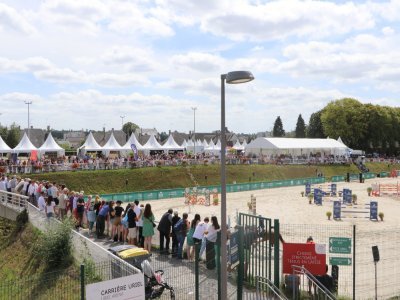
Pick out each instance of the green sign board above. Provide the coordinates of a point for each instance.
(340, 245)
(340, 261)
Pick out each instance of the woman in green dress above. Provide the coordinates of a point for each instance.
(189, 237)
(148, 227)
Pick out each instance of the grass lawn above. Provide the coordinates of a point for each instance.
(114, 181)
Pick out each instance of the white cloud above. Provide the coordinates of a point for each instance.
(11, 19)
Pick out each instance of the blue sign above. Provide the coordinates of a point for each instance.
(373, 210)
(318, 196)
(308, 188)
(347, 196)
(337, 209)
(135, 151)
(333, 189)
(234, 249)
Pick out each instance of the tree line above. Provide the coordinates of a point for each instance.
(368, 127)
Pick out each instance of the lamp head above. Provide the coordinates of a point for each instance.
(237, 77)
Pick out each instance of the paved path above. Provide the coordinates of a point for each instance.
(181, 274)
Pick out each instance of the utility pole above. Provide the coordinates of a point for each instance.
(29, 125)
(122, 121)
(194, 130)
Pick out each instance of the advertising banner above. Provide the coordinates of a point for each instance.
(310, 256)
(129, 287)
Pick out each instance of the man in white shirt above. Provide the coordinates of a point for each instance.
(198, 235)
(41, 202)
(139, 223)
(3, 184)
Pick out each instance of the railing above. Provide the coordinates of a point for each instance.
(119, 164)
(314, 285)
(265, 289)
(12, 200)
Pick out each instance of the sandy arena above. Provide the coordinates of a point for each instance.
(287, 205)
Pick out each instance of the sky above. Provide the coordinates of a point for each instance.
(86, 64)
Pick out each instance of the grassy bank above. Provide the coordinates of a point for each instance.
(114, 181)
(23, 274)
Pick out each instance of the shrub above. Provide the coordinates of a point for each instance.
(55, 246)
(22, 219)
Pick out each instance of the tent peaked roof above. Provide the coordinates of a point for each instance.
(152, 144)
(4, 148)
(170, 144)
(24, 145)
(50, 145)
(238, 146)
(184, 144)
(91, 144)
(340, 140)
(132, 141)
(205, 144)
(189, 143)
(112, 144)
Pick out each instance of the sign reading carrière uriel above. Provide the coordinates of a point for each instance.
(340, 245)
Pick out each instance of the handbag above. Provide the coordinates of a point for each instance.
(124, 220)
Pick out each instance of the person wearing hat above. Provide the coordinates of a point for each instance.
(310, 240)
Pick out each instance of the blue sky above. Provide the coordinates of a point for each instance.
(84, 64)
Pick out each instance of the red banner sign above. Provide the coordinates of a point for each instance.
(310, 256)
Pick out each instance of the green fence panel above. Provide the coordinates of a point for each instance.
(369, 175)
(231, 188)
(384, 174)
(338, 178)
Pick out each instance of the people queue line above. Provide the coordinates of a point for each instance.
(135, 224)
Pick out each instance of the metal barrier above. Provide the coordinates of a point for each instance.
(265, 289)
(230, 188)
(313, 286)
(12, 200)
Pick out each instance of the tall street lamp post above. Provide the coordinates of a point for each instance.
(194, 130)
(122, 125)
(29, 125)
(234, 77)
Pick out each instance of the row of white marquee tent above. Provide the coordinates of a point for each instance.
(50, 145)
(259, 146)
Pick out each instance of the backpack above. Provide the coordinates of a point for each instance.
(178, 227)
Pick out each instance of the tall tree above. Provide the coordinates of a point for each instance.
(346, 118)
(13, 135)
(278, 128)
(163, 136)
(129, 127)
(300, 131)
(315, 129)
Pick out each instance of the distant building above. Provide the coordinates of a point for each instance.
(36, 135)
(74, 138)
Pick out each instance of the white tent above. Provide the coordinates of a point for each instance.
(132, 141)
(90, 144)
(189, 143)
(50, 145)
(170, 144)
(184, 144)
(152, 144)
(238, 146)
(205, 144)
(4, 148)
(244, 144)
(112, 144)
(295, 146)
(24, 145)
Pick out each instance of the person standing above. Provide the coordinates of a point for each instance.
(62, 203)
(189, 237)
(148, 227)
(132, 228)
(181, 229)
(117, 221)
(211, 240)
(199, 236)
(41, 202)
(49, 208)
(101, 220)
(175, 242)
(80, 210)
(139, 223)
(164, 227)
(91, 213)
